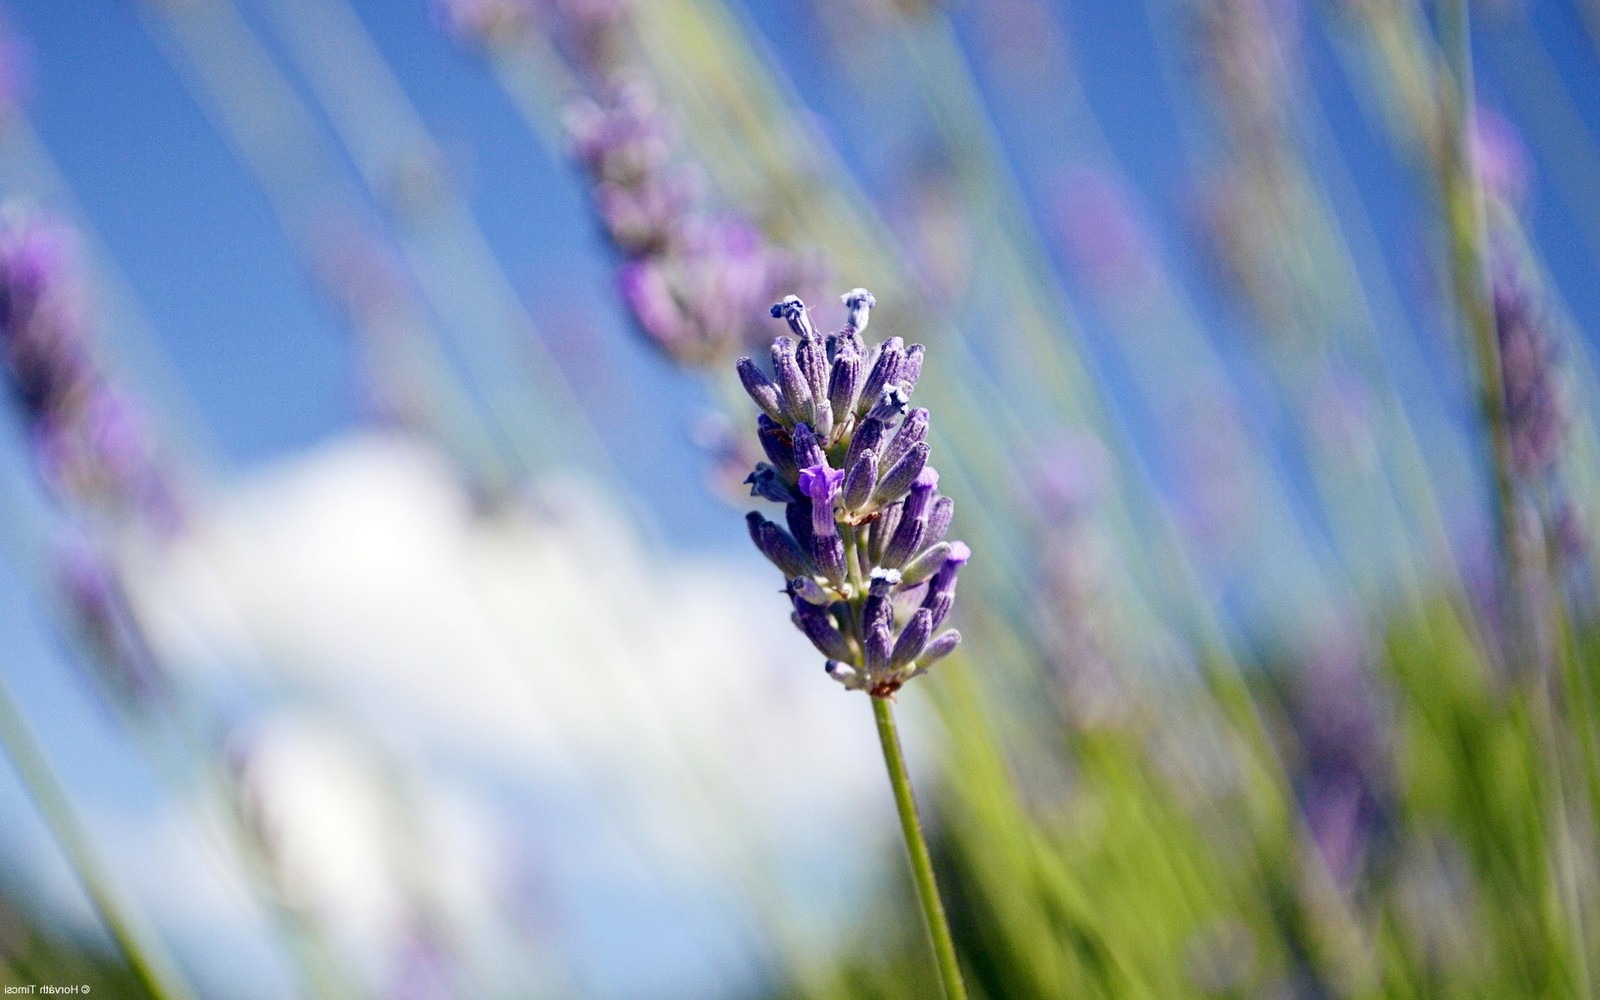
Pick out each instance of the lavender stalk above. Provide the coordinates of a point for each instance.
(869, 574)
(145, 954)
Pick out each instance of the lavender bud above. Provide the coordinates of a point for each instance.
(913, 430)
(762, 389)
(859, 481)
(812, 357)
(868, 437)
(912, 639)
(768, 484)
(891, 403)
(884, 528)
(877, 609)
(849, 338)
(911, 367)
(885, 366)
(859, 302)
(775, 441)
(798, 516)
(924, 565)
(824, 423)
(778, 546)
(878, 647)
(904, 541)
(939, 520)
(796, 392)
(828, 552)
(807, 450)
(898, 479)
(817, 623)
(942, 646)
(942, 588)
(845, 674)
(845, 380)
(913, 520)
(810, 591)
(794, 312)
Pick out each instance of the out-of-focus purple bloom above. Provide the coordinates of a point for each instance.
(483, 21)
(1248, 50)
(1072, 476)
(691, 279)
(1500, 155)
(92, 446)
(1535, 401)
(1076, 619)
(864, 560)
(1340, 775)
(1104, 235)
(93, 593)
(91, 442)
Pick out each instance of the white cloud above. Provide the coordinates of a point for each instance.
(675, 733)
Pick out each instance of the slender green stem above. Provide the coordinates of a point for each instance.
(944, 946)
(145, 956)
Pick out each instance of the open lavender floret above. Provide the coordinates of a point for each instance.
(868, 569)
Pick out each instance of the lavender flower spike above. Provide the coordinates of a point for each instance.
(866, 521)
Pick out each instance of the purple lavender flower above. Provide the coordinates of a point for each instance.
(691, 279)
(482, 20)
(1338, 716)
(868, 571)
(91, 442)
(93, 592)
(1536, 412)
(1501, 157)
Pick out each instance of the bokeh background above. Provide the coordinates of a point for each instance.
(439, 663)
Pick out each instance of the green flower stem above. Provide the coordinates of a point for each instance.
(944, 946)
(146, 958)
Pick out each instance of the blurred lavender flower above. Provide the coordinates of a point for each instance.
(93, 592)
(1342, 778)
(483, 21)
(1535, 400)
(869, 573)
(1106, 239)
(690, 278)
(1500, 155)
(92, 444)
(1249, 51)
(1075, 616)
(90, 441)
